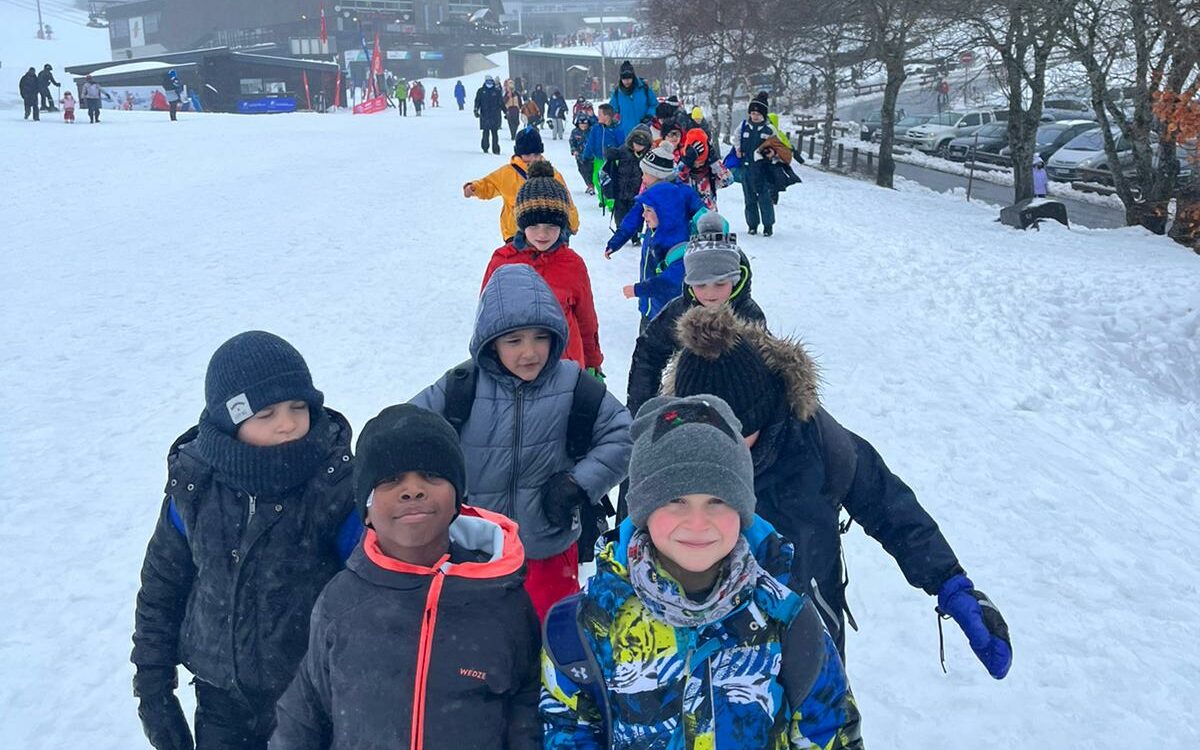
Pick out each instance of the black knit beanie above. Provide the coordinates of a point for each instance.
(739, 377)
(405, 438)
(252, 371)
(542, 199)
(528, 141)
(758, 106)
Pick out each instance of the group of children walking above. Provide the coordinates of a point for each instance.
(424, 589)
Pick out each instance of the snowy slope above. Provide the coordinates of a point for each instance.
(74, 42)
(1038, 390)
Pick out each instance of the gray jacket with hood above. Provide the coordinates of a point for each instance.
(516, 436)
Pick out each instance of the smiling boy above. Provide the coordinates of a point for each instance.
(429, 624)
(696, 640)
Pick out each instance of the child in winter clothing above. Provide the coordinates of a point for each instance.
(68, 106)
(258, 516)
(697, 641)
(605, 134)
(556, 112)
(808, 468)
(541, 242)
(515, 436)
(696, 166)
(578, 144)
(433, 98)
(667, 208)
(1041, 182)
(627, 161)
(716, 272)
(426, 557)
(507, 180)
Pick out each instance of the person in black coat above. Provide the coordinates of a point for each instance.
(174, 91)
(258, 516)
(489, 106)
(628, 163)
(428, 638)
(45, 81)
(716, 272)
(807, 468)
(539, 96)
(29, 89)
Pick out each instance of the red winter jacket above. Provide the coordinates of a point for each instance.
(566, 275)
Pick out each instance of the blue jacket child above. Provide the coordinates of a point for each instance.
(676, 207)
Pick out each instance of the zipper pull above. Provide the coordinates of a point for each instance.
(253, 508)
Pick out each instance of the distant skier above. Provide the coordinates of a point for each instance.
(417, 93)
(557, 114)
(68, 106)
(173, 90)
(29, 89)
(460, 95)
(45, 81)
(402, 97)
(489, 106)
(433, 98)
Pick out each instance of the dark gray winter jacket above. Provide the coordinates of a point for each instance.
(230, 578)
(515, 438)
(439, 658)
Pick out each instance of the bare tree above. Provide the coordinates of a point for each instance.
(1022, 35)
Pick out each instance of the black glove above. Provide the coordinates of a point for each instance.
(158, 708)
(561, 497)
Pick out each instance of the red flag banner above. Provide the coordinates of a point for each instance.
(377, 58)
(371, 106)
(307, 98)
(324, 31)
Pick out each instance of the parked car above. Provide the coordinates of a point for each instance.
(871, 129)
(1083, 153)
(1051, 137)
(935, 138)
(988, 139)
(1073, 105)
(944, 119)
(908, 122)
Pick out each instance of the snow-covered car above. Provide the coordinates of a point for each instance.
(935, 138)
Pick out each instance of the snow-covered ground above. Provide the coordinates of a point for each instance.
(73, 42)
(1038, 390)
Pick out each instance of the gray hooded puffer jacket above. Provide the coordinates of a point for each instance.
(516, 437)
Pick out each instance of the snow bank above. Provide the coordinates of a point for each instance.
(74, 42)
(1038, 390)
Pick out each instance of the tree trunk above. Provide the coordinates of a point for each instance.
(887, 125)
(1022, 142)
(830, 74)
(1186, 229)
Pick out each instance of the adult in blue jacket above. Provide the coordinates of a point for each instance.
(460, 95)
(633, 101)
(675, 206)
(808, 468)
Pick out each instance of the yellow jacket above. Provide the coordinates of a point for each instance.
(505, 182)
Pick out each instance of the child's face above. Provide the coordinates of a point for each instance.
(411, 515)
(636, 147)
(524, 352)
(649, 180)
(714, 293)
(694, 533)
(604, 118)
(542, 236)
(673, 137)
(275, 424)
(756, 117)
(650, 217)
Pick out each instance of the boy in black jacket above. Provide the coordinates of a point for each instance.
(258, 516)
(427, 640)
(628, 172)
(716, 272)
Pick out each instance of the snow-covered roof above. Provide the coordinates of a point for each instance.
(605, 20)
(637, 47)
(144, 66)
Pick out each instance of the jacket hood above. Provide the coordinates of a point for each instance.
(773, 552)
(516, 297)
(476, 530)
(711, 332)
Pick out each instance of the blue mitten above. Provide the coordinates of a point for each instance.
(980, 620)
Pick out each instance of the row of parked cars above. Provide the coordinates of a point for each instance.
(1069, 141)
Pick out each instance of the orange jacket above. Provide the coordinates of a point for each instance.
(505, 182)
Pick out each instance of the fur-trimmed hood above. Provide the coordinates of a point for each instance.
(710, 332)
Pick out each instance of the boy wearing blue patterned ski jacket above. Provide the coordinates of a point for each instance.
(695, 639)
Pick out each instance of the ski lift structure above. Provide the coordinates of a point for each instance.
(98, 12)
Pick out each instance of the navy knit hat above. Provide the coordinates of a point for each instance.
(542, 199)
(251, 371)
(529, 141)
(757, 105)
(405, 438)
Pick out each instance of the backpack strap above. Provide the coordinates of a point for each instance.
(585, 408)
(519, 171)
(673, 256)
(460, 393)
(570, 653)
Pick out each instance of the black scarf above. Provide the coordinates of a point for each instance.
(271, 471)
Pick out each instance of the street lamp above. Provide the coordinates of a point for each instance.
(41, 26)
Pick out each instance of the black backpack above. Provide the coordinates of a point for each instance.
(585, 407)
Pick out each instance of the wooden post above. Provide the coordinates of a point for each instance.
(854, 159)
(870, 167)
(841, 153)
(812, 145)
